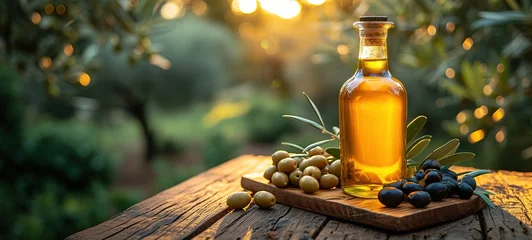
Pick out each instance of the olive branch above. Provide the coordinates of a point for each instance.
(446, 154)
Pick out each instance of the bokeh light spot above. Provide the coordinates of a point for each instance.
(60, 10)
(49, 8)
(500, 67)
(68, 49)
(199, 8)
(480, 112)
(487, 90)
(464, 129)
(467, 44)
(84, 79)
(35, 18)
(244, 6)
(342, 49)
(476, 136)
(171, 10)
(498, 115)
(449, 73)
(499, 137)
(431, 30)
(46, 62)
(449, 27)
(461, 117)
(500, 100)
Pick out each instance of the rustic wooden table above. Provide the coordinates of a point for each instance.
(196, 209)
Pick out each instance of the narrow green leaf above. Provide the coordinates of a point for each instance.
(319, 143)
(482, 190)
(453, 87)
(336, 130)
(485, 198)
(478, 172)
(457, 157)
(463, 173)
(417, 140)
(315, 109)
(298, 155)
(417, 149)
(444, 150)
(300, 148)
(308, 121)
(410, 161)
(335, 152)
(414, 127)
(408, 164)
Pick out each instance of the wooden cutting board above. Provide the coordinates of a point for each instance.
(335, 203)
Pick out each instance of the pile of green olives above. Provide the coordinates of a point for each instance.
(309, 173)
(430, 183)
(240, 200)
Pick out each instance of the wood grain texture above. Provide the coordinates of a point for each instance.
(280, 222)
(181, 211)
(196, 208)
(335, 203)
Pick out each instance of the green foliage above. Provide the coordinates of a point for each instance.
(262, 121)
(219, 147)
(169, 174)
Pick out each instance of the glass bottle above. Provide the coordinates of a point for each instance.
(372, 106)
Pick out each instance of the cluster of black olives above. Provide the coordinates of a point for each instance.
(309, 174)
(430, 183)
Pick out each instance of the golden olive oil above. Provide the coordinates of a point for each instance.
(372, 107)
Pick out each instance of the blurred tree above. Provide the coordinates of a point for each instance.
(103, 50)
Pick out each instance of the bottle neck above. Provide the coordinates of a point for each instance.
(373, 53)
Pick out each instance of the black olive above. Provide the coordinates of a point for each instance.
(390, 196)
(464, 190)
(437, 191)
(419, 175)
(411, 187)
(470, 180)
(431, 164)
(452, 186)
(419, 199)
(412, 179)
(432, 176)
(397, 184)
(450, 174)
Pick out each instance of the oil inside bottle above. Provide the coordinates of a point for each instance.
(372, 107)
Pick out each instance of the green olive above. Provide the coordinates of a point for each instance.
(264, 199)
(315, 151)
(298, 160)
(287, 165)
(309, 184)
(238, 200)
(328, 181)
(313, 172)
(295, 176)
(280, 179)
(278, 156)
(269, 172)
(335, 168)
(318, 161)
(304, 164)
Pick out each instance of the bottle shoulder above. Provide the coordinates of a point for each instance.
(358, 83)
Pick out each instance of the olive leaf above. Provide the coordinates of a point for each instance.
(479, 172)
(444, 150)
(457, 157)
(417, 149)
(300, 148)
(315, 109)
(484, 198)
(463, 173)
(408, 164)
(414, 127)
(336, 130)
(319, 143)
(418, 140)
(482, 190)
(308, 121)
(333, 151)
